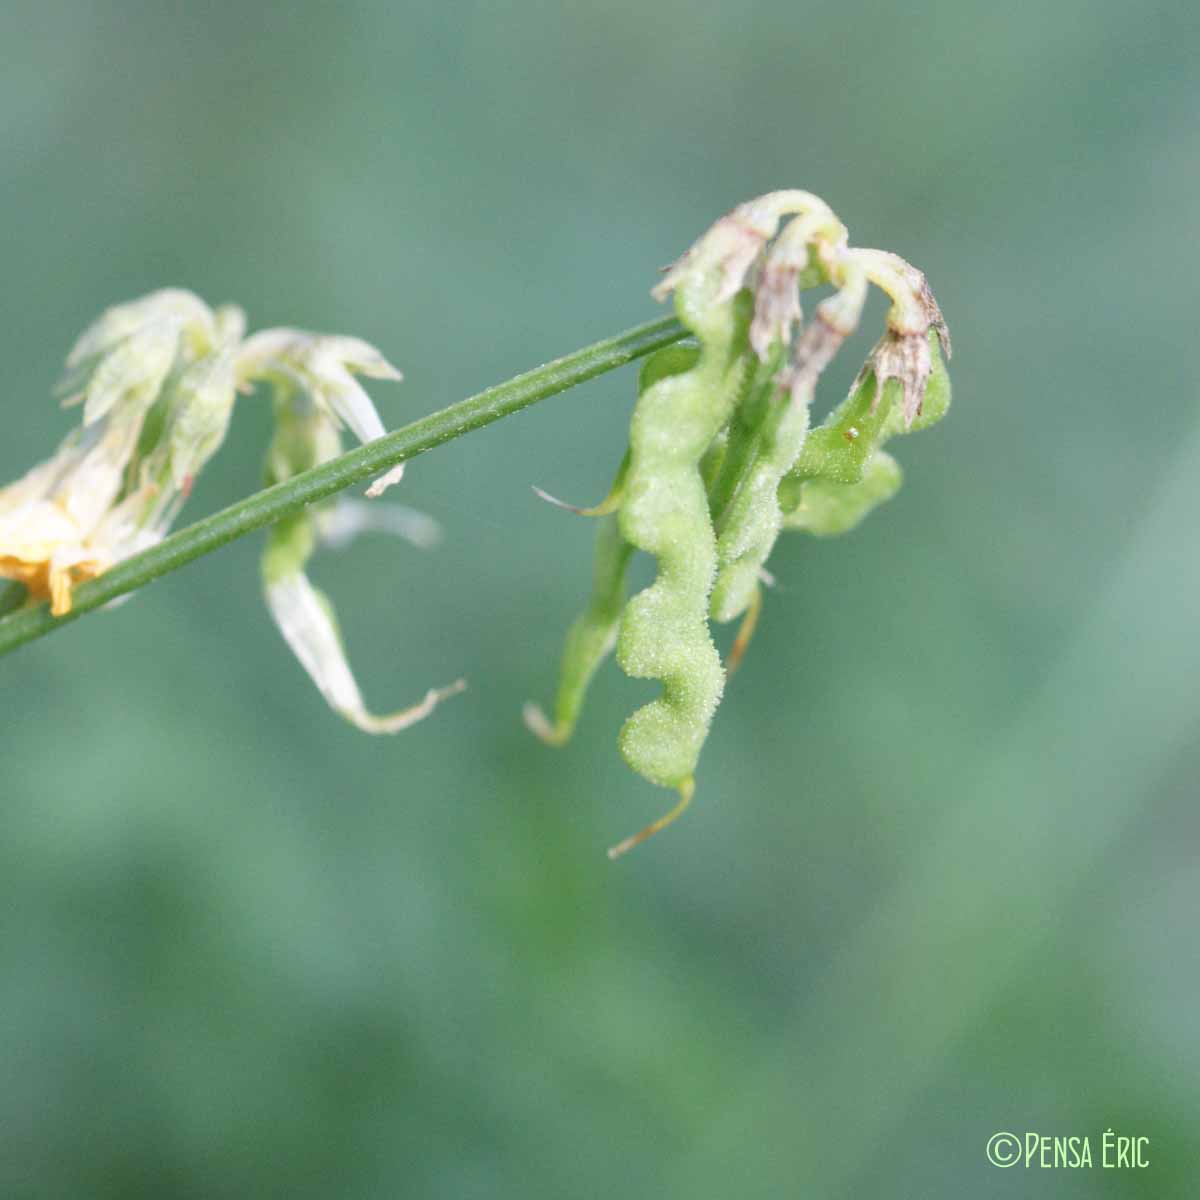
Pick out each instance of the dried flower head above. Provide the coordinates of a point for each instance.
(157, 379)
(155, 382)
(323, 369)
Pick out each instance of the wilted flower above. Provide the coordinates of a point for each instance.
(323, 369)
(306, 434)
(738, 252)
(157, 387)
(903, 352)
(157, 379)
(47, 519)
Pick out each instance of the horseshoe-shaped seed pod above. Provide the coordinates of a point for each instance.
(721, 459)
(664, 630)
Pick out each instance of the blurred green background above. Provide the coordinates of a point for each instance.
(941, 877)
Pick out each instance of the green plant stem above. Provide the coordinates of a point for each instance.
(361, 463)
(12, 596)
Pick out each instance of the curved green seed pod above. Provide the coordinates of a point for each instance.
(824, 507)
(664, 629)
(753, 519)
(842, 472)
(590, 638)
(594, 632)
(713, 462)
(741, 438)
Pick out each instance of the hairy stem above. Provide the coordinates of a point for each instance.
(364, 462)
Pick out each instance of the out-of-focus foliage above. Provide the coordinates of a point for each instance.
(946, 887)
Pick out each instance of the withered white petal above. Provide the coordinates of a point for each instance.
(324, 366)
(305, 620)
(131, 375)
(205, 399)
(179, 307)
(348, 401)
(908, 360)
(340, 523)
(381, 485)
(734, 244)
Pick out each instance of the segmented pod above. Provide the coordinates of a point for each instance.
(664, 630)
(754, 518)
